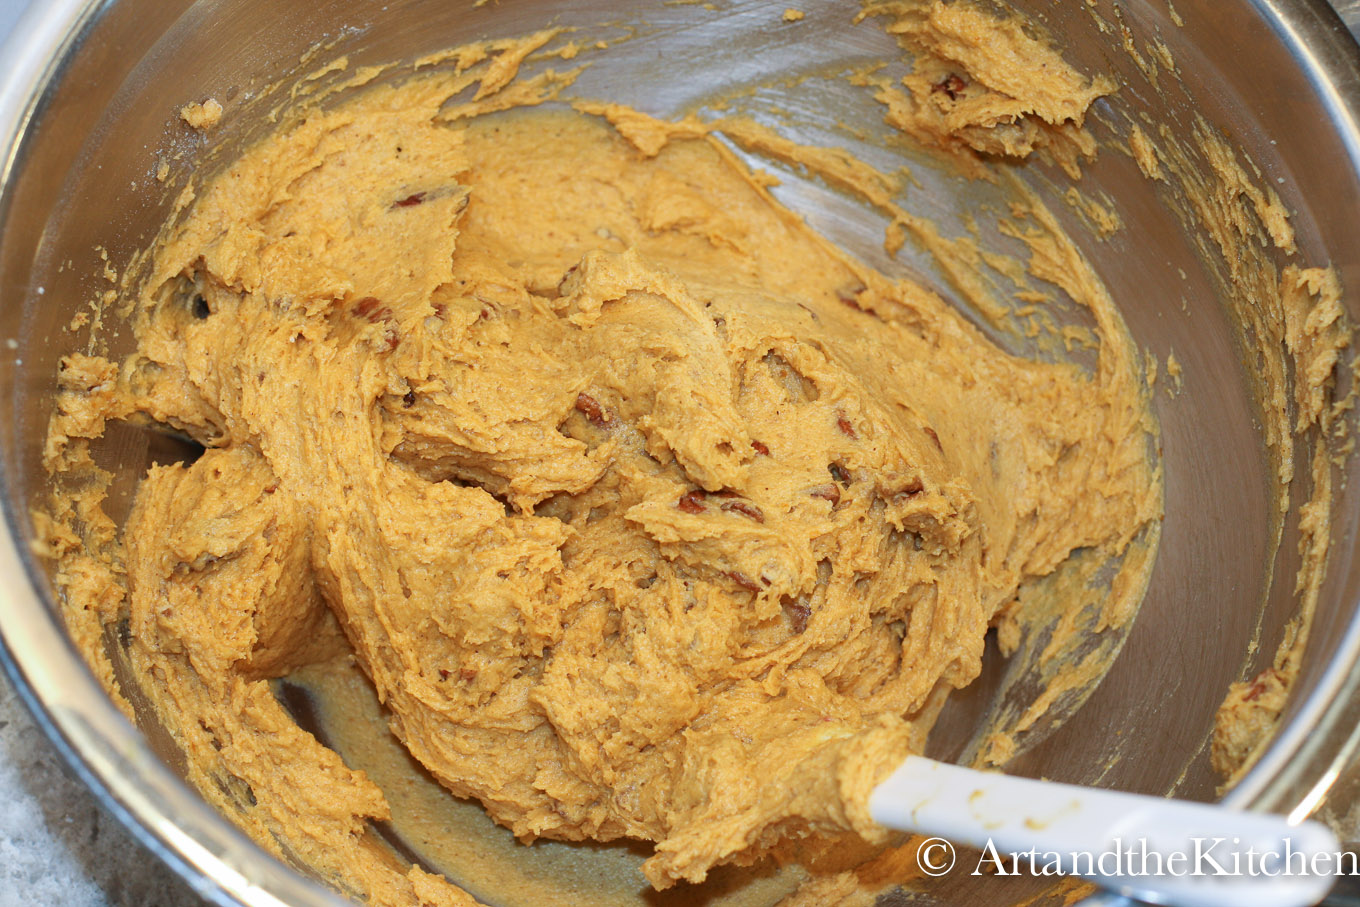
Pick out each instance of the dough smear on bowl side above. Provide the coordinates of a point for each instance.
(649, 512)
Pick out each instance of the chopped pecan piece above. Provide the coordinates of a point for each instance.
(839, 474)
(952, 85)
(1259, 684)
(760, 448)
(799, 612)
(692, 502)
(410, 200)
(745, 508)
(371, 308)
(846, 428)
(741, 579)
(589, 407)
(827, 492)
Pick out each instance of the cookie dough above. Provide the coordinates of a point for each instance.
(648, 512)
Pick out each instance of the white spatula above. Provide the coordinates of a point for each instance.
(1154, 849)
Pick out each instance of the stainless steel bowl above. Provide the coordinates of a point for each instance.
(90, 100)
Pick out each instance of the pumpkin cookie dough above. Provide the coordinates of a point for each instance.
(648, 512)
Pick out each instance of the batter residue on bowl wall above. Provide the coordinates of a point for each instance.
(648, 512)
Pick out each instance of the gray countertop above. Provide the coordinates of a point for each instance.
(57, 846)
